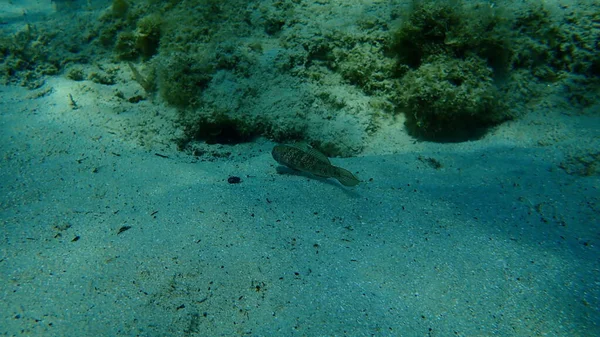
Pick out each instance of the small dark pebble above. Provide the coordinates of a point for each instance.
(234, 180)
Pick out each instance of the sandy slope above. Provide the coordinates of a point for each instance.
(498, 241)
(502, 239)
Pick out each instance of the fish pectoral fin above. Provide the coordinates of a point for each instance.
(321, 157)
(322, 175)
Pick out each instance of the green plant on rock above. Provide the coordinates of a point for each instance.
(143, 41)
(451, 56)
(148, 34)
(365, 66)
(449, 98)
(183, 77)
(125, 47)
(454, 28)
(424, 32)
(120, 8)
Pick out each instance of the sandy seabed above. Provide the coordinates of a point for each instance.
(108, 230)
(104, 237)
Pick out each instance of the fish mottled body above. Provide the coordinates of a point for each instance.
(306, 159)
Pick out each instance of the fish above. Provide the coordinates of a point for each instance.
(303, 158)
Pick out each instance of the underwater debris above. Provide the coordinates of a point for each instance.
(123, 229)
(72, 103)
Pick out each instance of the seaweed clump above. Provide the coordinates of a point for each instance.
(142, 42)
(503, 59)
(120, 8)
(451, 98)
(182, 78)
(450, 56)
(26, 57)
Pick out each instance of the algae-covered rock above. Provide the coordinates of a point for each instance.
(453, 56)
(454, 28)
(450, 99)
(26, 57)
(142, 41)
(182, 77)
(325, 72)
(125, 47)
(366, 66)
(120, 8)
(147, 34)
(75, 74)
(560, 41)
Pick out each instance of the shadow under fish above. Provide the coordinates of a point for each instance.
(303, 158)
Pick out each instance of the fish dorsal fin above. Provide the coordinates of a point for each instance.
(318, 155)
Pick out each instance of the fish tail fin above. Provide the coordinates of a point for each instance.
(345, 177)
